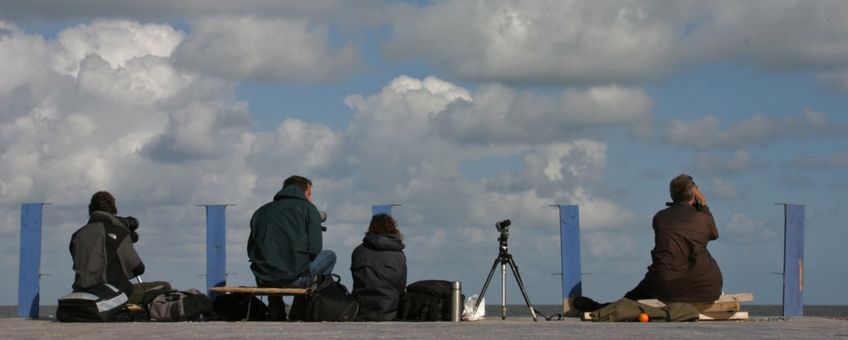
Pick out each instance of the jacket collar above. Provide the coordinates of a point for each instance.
(291, 191)
(383, 242)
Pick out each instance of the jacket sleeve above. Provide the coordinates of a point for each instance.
(313, 230)
(130, 261)
(713, 230)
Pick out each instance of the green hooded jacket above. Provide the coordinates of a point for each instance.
(285, 236)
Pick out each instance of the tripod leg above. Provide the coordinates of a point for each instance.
(521, 287)
(503, 290)
(485, 285)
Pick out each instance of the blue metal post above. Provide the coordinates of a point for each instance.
(30, 260)
(793, 260)
(572, 282)
(383, 209)
(216, 247)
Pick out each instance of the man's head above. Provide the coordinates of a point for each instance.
(302, 182)
(102, 201)
(681, 188)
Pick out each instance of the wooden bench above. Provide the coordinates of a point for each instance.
(725, 308)
(275, 309)
(261, 291)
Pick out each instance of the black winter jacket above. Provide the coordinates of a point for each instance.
(102, 251)
(285, 236)
(378, 267)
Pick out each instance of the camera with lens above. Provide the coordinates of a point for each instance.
(503, 226)
(132, 224)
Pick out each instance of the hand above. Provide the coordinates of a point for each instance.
(699, 196)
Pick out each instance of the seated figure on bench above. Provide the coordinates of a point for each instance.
(285, 243)
(682, 269)
(102, 250)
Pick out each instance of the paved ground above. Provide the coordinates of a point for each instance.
(518, 327)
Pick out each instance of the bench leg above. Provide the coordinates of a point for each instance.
(276, 308)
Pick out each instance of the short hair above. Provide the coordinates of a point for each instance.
(383, 224)
(681, 187)
(102, 201)
(300, 181)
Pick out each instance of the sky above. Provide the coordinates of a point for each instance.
(464, 112)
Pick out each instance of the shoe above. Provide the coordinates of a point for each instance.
(584, 304)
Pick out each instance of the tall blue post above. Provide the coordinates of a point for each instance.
(572, 281)
(30, 260)
(383, 209)
(216, 247)
(793, 260)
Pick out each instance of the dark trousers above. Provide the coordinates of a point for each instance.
(642, 291)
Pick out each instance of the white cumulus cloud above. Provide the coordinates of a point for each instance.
(264, 49)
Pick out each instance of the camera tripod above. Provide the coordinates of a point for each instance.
(504, 258)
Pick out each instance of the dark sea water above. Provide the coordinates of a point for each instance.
(493, 311)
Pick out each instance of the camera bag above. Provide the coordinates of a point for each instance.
(101, 303)
(327, 300)
(427, 300)
(177, 305)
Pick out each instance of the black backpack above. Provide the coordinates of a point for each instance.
(176, 305)
(327, 300)
(427, 300)
(101, 303)
(238, 306)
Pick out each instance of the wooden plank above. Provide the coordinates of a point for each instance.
(722, 316)
(713, 316)
(725, 298)
(260, 290)
(741, 297)
(731, 306)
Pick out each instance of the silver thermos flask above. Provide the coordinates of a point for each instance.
(456, 301)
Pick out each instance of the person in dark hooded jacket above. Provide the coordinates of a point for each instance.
(285, 242)
(378, 267)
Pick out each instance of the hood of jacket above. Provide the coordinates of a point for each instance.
(383, 242)
(291, 191)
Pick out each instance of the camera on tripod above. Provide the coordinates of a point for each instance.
(503, 226)
(504, 258)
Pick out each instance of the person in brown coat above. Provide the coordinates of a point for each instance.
(682, 269)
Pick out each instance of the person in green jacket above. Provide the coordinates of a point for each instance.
(285, 243)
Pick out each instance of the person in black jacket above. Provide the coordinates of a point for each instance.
(378, 267)
(102, 250)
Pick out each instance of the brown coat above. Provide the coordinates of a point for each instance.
(683, 269)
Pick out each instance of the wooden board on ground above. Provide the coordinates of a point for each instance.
(725, 303)
(725, 308)
(260, 290)
(712, 316)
